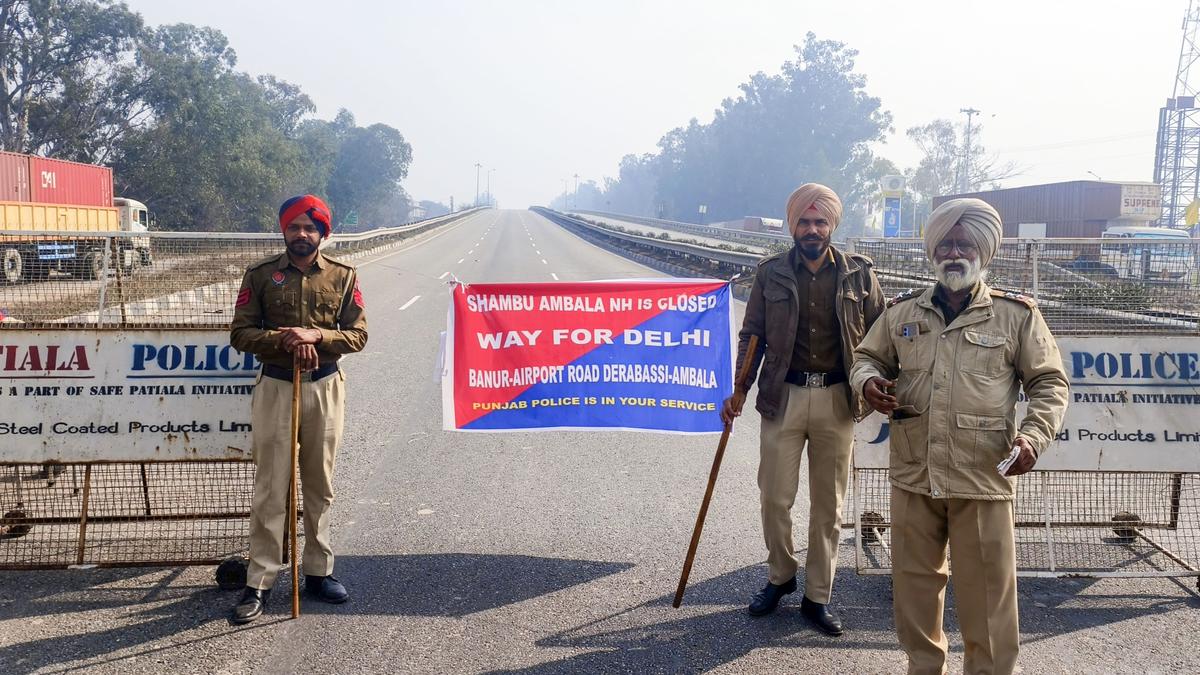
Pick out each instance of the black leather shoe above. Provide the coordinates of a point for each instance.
(251, 606)
(326, 589)
(819, 615)
(766, 600)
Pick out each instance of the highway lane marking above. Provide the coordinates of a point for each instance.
(460, 261)
(544, 262)
(444, 274)
(410, 302)
(450, 229)
(554, 275)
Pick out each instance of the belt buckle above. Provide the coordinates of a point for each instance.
(814, 380)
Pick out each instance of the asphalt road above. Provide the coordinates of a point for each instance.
(535, 553)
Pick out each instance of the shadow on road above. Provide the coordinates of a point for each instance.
(448, 585)
(650, 638)
(454, 584)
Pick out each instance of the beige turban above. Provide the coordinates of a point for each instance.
(817, 196)
(978, 218)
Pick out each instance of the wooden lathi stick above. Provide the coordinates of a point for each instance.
(743, 373)
(295, 456)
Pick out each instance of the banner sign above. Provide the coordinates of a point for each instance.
(1134, 406)
(644, 355)
(130, 395)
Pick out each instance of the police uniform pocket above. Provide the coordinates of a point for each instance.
(279, 307)
(982, 353)
(982, 439)
(915, 344)
(906, 440)
(778, 304)
(326, 308)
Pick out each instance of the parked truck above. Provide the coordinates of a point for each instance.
(40, 194)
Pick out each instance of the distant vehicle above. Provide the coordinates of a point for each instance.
(1164, 256)
(41, 194)
(752, 224)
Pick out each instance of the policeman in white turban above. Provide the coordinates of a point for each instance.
(809, 307)
(946, 365)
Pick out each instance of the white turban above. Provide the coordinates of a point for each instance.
(817, 196)
(978, 218)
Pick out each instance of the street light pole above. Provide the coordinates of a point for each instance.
(576, 199)
(478, 166)
(965, 177)
(489, 185)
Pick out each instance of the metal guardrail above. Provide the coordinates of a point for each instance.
(759, 238)
(150, 279)
(1083, 286)
(735, 259)
(111, 512)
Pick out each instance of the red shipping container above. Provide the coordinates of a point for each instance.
(14, 177)
(54, 181)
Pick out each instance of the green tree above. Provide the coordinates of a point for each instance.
(366, 174)
(212, 158)
(65, 76)
(813, 122)
(944, 158)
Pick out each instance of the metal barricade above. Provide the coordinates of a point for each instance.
(1133, 520)
(94, 503)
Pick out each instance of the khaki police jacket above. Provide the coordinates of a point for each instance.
(960, 382)
(275, 294)
(773, 314)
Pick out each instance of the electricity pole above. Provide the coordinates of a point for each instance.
(964, 177)
(478, 166)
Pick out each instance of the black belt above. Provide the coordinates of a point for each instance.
(803, 379)
(285, 374)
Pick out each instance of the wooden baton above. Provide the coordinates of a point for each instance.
(743, 373)
(295, 457)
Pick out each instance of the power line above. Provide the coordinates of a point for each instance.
(1081, 141)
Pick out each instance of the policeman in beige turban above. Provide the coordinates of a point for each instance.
(957, 355)
(809, 307)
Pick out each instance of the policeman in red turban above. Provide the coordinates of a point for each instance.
(299, 309)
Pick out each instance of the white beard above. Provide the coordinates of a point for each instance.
(957, 281)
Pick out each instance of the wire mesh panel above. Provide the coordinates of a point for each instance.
(1083, 286)
(123, 513)
(57, 515)
(160, 279)
(1109, 523)
(1070, 523)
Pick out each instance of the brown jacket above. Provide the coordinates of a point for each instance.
(274, 294)
(773, 314)
(961, 382)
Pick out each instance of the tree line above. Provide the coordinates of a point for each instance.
(205, 146)
(812, 122)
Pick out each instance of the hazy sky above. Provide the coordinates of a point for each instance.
(540, 91)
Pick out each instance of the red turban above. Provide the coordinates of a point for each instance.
(311, 206)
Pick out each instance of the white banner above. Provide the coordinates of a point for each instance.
(87, 395)
(1134, 406)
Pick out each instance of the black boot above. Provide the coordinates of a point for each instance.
(819, 615)
(766, 600)
(251, 606)
(327, 589)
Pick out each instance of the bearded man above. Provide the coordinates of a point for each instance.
(809, 307)
(957, 356)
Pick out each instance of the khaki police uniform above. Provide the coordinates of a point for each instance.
(808, 324)
(957, 387)
(275, 294)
